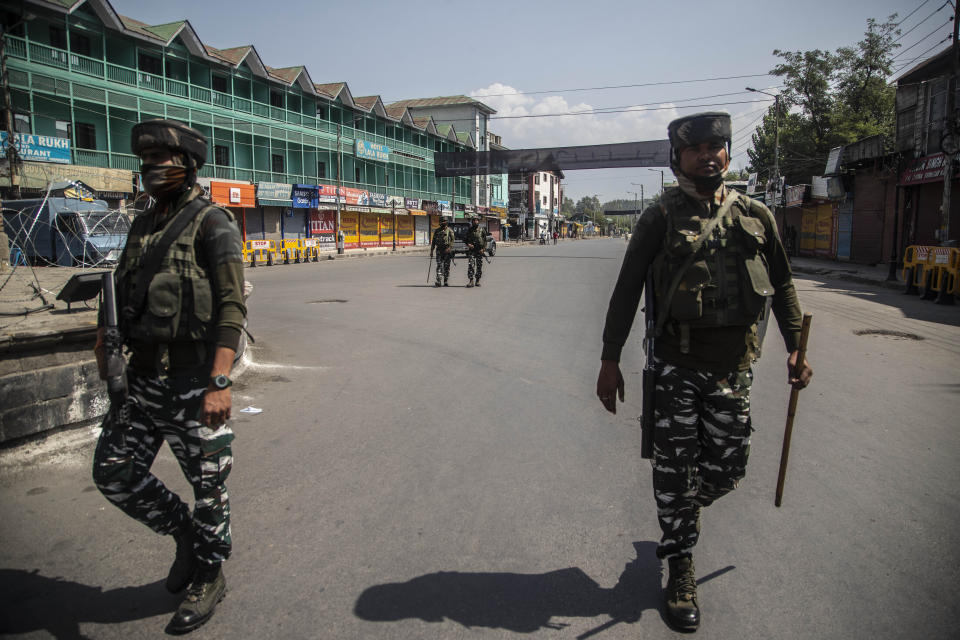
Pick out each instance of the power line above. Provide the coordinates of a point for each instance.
(592, 112)
(907, 64)
(619, 86)
(913, 12)
(904, 35)
(920, 40)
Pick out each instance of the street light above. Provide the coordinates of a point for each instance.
(660, 171)
(776, 132)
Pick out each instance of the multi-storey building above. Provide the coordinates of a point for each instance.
(280, 145)
(535, 200)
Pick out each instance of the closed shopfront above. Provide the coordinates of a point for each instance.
(273, 202)
(369, 230)
(349, 224)
(238, 197)
(405, 231)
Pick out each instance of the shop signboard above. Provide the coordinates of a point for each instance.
(795, 194)
(322, 227)
(38, 148)
(37, 175)
(430, 206)
(395, 202)
(411, 203)
(378, 200)
(348, 195)
(233, 194)
(372, 151)
(276, 194)
(443, 206)
(500, 204)
(305, 196)
(926, 169)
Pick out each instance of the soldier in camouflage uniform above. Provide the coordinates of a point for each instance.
(182, 345)
(475, 240)
(442, 244)
(716, 260)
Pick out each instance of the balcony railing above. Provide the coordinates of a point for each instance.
(60, 59)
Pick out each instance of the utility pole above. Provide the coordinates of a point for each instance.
(776, 137)
(951, 127)
(340, 234)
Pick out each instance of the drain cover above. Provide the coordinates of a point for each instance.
(325, 301)
(886, 332)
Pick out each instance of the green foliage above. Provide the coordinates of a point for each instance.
(829, 99)
(568, 208)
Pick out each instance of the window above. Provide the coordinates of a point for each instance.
(536, 179)
(277, 163)
(221, 155)
(356, 171)
(21, 123)
(63, 129)
(80, 44)
(218, 83)
(58, 37)
(276, 99)
(149, 64)
(322, 112)
(86, 135)
(321, 169)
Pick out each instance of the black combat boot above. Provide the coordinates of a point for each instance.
(478, 282)
(437, 283)
(206, 589)
(470, 284)
(185, 564)
(682, 610)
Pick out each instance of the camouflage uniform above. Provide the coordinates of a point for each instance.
(168, 408)
(702, 434)
(477, 237)
(193, 306)
(442, 244)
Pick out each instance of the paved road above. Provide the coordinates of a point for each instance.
(434, 464)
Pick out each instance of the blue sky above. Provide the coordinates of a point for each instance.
(526, 57)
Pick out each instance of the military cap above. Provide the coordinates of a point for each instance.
(169, 134)
(700, 127)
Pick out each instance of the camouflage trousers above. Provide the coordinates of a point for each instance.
(474, 266)
(443, 266)
(167, 409)
(701, 446)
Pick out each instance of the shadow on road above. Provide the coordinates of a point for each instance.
(522, 603)
(33, 602)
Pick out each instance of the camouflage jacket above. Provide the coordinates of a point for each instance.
(475, 238)
(442, 239)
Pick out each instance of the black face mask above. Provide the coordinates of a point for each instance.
(162, 180)
(707, 184)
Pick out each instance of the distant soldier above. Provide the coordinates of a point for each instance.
(442, 244)
(716, 260)
(181, 315)
(475, 240)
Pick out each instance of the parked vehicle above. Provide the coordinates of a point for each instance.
(460, 230)
(65, 231)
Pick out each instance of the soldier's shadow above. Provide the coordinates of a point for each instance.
(33, 602)
(522, 603)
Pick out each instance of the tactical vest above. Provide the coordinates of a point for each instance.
(725, 282)
(443, 238)
(179, 306)
(475, 237)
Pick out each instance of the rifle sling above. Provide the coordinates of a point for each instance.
(150, 262)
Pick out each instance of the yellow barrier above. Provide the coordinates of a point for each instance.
(935, 271)
(310, 248)
(266, 249)
(291, 247)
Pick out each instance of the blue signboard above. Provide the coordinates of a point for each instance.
(38, 148)
(305, 196)
(372, 151)
(378, 199)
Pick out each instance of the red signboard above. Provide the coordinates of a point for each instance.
(925, 169)
(322, 226)
(328, 193)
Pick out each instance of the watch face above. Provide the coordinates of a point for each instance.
(221, 381)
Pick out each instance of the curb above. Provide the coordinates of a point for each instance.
(894, 285)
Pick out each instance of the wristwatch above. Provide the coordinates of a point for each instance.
(221, 382)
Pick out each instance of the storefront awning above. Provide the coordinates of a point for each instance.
(417, 212)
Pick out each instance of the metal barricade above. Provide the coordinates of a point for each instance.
(264, 249)
(290, 248)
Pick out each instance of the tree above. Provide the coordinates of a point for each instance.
(829, 99)
(568, 207)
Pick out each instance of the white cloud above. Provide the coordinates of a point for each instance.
(588, 127)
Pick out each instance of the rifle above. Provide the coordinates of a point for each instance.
(649, 375)
(116, 364)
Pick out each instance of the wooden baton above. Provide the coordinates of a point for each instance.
(792, 408)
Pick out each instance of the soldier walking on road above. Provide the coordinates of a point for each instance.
(716, 259)
(181, 315)
(442, 244)
(475, 240)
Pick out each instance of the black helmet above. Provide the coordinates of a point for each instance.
(697, 128)
(169, 134)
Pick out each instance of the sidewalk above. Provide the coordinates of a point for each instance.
(862, 273)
